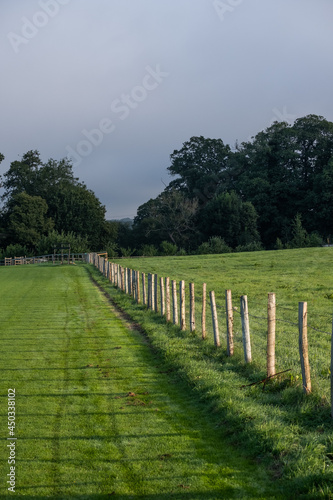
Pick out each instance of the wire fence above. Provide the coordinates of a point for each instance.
(301, 343)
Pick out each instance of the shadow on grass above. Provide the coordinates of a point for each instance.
(235, 426)
(184, 492)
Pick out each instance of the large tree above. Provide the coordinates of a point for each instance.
(170, 216)
(229, 217)
(280, 172)
(202, 167)
(70, 204)
(28, 221)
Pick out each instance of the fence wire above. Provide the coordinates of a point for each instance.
(287, 330)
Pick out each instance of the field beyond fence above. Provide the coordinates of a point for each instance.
(275, 337)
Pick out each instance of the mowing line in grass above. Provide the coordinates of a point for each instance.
(95, 414)
(281, 426)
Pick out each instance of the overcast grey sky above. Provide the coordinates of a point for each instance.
(118, 85)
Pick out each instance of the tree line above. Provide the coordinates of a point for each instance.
(44, 205)
(273, 191)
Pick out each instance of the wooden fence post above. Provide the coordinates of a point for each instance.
(122, 279)
(162, 297)
(246, 329)
(126, 279)
(130, 282)
(192, 308)
(271, 319)
(137, 279)
(155, 293)
(174, 302)
(152, 286)
(149, 291)
(303, 345)
(230, 323)
(167, 298)
(203, 314)
(182, 305)
(144, 292)
(215, 320)
(133, 284)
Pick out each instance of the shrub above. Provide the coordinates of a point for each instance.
(15, 251)
(315, 240)
(127, 252)
(181, 252)
(111, 249)
(148, 251)
(204, 248)
(216, 245)
(46, 244)
(300, 235)
(168, 248)
(279, 245)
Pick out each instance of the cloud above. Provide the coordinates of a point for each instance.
(225, 79)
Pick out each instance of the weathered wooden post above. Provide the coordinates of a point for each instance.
(122, 279)
(192, 308)
(230, 323)
(203, 314)
(303, 345)
(144, 293)
(155, 292)
(174, 302)
(137, 279)
(271, 320)
(130, 284)
(116, 275)
(182, 305)
(152, 304)
(162, 297)
(149, 291)
(215, 320)
(246, 329)
(167, 298)
(126, 279)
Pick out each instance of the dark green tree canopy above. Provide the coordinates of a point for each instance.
(170, 216)
(70, 206)
(229, 217)
(201, 165)
(28, 220)
(255, 192)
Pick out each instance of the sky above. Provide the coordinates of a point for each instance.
(118, 85)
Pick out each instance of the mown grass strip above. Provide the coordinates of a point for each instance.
(281, 427)
(96, 414)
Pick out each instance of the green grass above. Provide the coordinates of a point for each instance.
(100, 412)
(294, 275)
(278, 426)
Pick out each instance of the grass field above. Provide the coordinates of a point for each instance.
(100, 413)
(278, 426)
(294, 275)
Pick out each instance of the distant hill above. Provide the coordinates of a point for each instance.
(127, 220)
